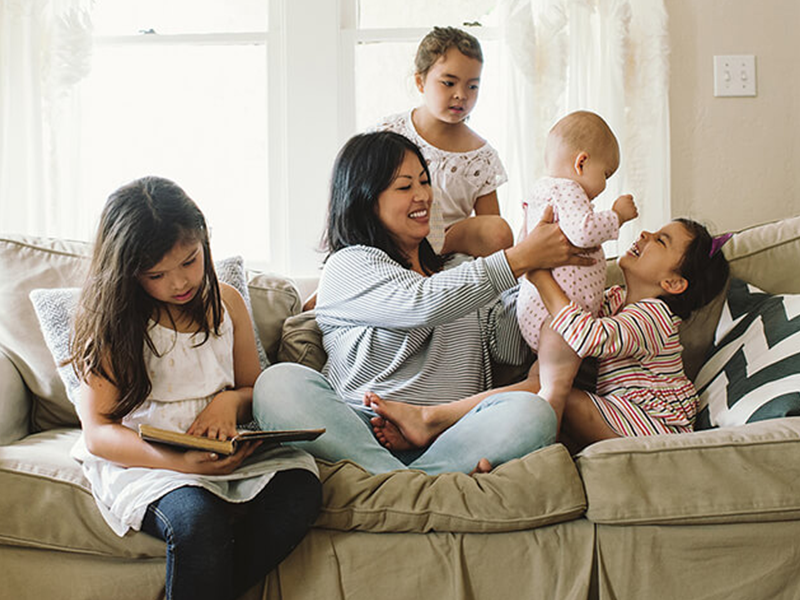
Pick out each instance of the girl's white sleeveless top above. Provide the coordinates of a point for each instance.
(185, 377)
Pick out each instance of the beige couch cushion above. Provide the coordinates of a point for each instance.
(741, 474)
(35, 263)
(47, 503)
(301, 342)
(539, 489)
(274, 298)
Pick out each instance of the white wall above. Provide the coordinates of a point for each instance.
(735, 161)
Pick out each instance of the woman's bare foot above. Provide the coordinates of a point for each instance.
(412, 421)
(483, 466)
(389, 435)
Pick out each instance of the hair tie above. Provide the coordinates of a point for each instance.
(718, 242)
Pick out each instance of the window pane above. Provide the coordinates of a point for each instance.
(424, 13)
(112, 17)
(194, 114)
(384, 81)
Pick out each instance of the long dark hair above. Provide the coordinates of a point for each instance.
(366, 166)
(140, 223)
(705, 273)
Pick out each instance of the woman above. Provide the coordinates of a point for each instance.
(396, 325)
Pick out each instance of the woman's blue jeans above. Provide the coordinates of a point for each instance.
(504, 426)
(218, 549)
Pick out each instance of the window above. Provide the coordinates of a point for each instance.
(179, 89)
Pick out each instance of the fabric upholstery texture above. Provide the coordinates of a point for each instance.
(735, 475)
(752, 372)
(539, 489)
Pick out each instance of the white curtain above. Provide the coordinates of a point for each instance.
(608, 56)
(45, 49)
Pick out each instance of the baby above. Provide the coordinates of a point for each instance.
(581, 154)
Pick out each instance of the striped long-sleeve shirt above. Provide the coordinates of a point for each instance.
(423, 340)
(640, 369)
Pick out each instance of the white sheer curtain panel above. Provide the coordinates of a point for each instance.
(608, 56)
(45, 49)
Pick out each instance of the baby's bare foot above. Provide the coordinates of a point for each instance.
(409, 419)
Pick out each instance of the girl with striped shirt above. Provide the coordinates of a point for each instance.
(641, 386)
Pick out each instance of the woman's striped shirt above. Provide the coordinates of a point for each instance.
(423, 340)
(641, 386)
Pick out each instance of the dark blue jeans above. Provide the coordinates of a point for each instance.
(218, 549)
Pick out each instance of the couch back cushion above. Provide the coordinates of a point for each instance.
(28, 263)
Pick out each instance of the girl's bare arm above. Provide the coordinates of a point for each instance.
(230, 407)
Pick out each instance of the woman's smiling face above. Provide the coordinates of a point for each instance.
(404, 207)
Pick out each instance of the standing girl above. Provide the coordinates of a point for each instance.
(158, 340)
(465, 170)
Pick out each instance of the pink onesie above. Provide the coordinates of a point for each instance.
(584, 228)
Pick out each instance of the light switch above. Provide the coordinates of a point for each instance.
(735, 75)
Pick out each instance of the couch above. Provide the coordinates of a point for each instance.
(714, 514)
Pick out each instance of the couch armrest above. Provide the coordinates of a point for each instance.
(15, 403)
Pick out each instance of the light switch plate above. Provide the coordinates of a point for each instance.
(735, 75)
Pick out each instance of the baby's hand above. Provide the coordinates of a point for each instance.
(625, 208)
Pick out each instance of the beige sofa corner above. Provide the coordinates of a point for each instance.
(712, 515)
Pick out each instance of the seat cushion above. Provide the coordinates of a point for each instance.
(733, 475)
(47, 503)
(539, 489)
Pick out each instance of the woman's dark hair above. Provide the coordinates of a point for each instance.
(141, 222)
(366, 166)
(705, 273)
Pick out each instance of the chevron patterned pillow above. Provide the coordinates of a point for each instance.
(752, 372)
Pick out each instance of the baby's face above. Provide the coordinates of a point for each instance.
(594, 171)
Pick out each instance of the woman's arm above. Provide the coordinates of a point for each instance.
(230, 407)
(363, 287)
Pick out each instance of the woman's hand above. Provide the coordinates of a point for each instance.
(545, 247)
(218, 419)
(211, 463)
